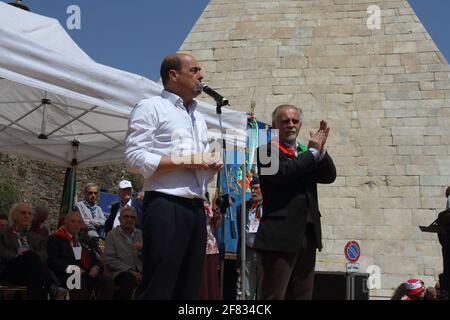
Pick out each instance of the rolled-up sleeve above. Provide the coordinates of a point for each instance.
(139, 155)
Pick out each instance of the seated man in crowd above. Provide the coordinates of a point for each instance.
(91, 213)
(23, 256)
(40, 215)
(253, 264)
(67, 247)
(123, 254)
(126, 200)
(3, 221)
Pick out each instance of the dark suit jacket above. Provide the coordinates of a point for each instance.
(136, 204)
(443, 222)
(9, 245)
(60, 256)
(289, 196)
(248, 205)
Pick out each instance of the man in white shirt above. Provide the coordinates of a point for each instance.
(167, 144)
(126, 200)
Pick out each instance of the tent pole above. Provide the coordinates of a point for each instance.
(72, 185)
(75, 144)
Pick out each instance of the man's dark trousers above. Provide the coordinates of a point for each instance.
(290, 276)
(174, 247)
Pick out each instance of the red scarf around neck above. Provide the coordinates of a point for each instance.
(289, 151)
(65, 235)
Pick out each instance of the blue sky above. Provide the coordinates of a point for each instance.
(434, 15)
(134, 35)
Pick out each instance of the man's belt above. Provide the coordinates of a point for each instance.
(195, 202)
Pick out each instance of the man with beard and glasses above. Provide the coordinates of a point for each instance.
(253, 266)
(290, 232)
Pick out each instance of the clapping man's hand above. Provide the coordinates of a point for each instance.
(318, 139)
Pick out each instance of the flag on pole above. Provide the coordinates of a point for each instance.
(68, 195)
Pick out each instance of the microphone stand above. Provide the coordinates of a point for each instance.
(219, 104)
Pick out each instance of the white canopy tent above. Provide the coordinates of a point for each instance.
(57, 104)
(52, 94)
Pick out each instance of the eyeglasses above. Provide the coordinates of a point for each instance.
(129, 217)
(93, 193)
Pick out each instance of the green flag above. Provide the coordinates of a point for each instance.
(68, 194)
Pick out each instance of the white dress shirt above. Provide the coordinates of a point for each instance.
(116, 219)
(161, 126)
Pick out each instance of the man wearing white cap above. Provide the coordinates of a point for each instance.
(126, 200)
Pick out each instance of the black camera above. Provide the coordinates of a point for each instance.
(223, 202)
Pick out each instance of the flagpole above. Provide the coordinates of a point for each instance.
(243, 226)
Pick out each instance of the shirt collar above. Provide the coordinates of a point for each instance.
(72, 236)
(126, 234)
(292, 146)
(88, 205)
(256, 204)
(17, 231)
(126, 204)
(177, 101)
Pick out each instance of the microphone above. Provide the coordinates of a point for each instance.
(213, 94)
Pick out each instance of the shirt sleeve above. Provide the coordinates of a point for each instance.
(111, 256)
(317, 155)
(101, 217)
(86, 217)
(142, 125)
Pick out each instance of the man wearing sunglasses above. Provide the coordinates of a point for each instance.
(91, 212)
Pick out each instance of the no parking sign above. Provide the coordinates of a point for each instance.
(352, 251)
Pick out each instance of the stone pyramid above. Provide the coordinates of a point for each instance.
(385, 92)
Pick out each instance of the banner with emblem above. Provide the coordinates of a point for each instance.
(258, 133)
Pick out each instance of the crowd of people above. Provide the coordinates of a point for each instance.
(32, 256)
(80, 260)
(414, 289)
(107, 251)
